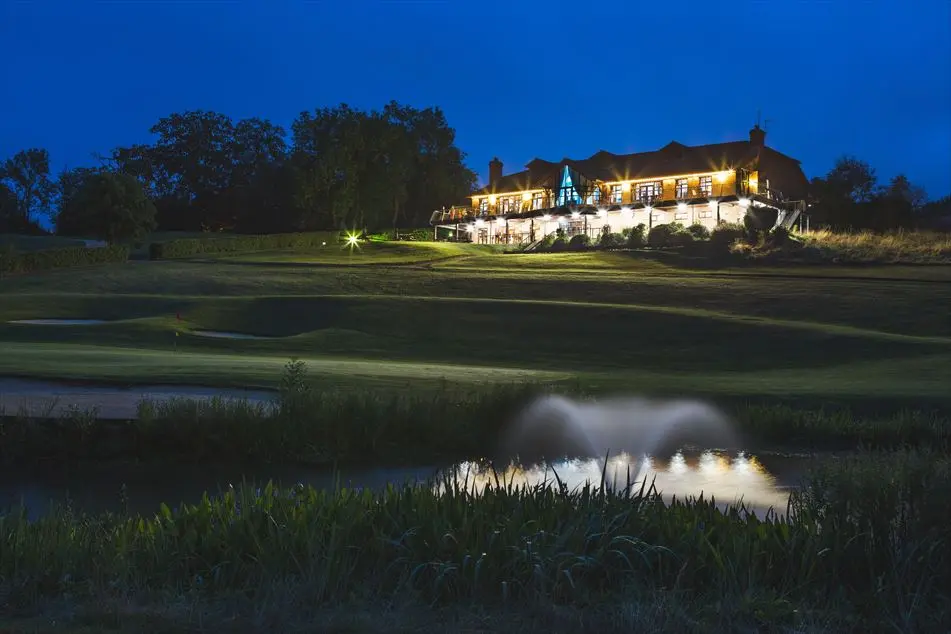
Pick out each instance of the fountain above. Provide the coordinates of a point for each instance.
(555, 427)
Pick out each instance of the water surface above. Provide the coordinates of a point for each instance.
(760, 481)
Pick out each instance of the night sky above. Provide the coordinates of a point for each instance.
(516, 79)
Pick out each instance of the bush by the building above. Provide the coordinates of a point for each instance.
(579, 242)
(699, 232)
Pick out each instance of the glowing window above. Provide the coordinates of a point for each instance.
(646, 192)
(484, 205)
(681, 188)
(567, 195)
(616, 195)
(706, 185)
(538, 200)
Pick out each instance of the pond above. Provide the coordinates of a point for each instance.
(48, 398)
(761, 481)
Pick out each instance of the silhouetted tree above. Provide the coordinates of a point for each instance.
(111, 206)
(26, 175)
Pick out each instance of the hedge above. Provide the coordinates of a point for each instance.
(186, 247)
(46, 259)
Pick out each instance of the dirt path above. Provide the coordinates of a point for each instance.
(48, 398)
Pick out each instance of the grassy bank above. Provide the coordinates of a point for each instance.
(864, 552)
(317, 427)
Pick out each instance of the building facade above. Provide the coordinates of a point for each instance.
(703, 184)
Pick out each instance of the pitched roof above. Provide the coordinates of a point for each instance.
(672, 159)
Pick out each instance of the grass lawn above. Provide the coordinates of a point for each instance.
(420, 350)
(638, 322)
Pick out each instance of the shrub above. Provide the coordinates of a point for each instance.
(660, 236)
(579, 242)
(548, 241)
(187, 247)
(637, 237)
(779, 236)
(680, 238)
(611, 240)
(559, 244)
(725, 234)
(699, 232)
(14, 262)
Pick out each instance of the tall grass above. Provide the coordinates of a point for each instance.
(866, 246)
(868, 539)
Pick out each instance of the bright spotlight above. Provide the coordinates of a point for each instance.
(352, 239)
(575, 214)
(681, 206)
(744, 202)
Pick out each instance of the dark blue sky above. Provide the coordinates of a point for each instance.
(516, 79)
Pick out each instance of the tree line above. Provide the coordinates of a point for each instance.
(340, 168)
(850, 197)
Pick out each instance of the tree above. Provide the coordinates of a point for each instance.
(111, 206)
(26, 175)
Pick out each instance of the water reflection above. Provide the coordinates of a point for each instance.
(760, 482)
(726, 478)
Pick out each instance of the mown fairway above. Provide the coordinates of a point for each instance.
(391, 315)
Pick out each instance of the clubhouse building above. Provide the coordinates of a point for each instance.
(701, 184)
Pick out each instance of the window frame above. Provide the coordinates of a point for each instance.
(617, 193)
(705, 186)
(681, 188)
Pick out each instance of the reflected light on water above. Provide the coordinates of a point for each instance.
(726, 478)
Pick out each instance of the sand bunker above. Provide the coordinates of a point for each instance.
(225, 335)
(59, 322)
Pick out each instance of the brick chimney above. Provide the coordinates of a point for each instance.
(495, 171)
(757, 136)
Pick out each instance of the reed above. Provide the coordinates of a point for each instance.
(866, 540)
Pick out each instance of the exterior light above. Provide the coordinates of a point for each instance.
(323, 244)
(479, 222)
(744, 202)
(722, 176)
(575, 214)
(526, 196)
(546, 217)
(681, 206)
(492, 200)
(353, 239)
(625, 187)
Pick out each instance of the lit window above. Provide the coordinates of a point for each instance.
(706, 186)
(567, 194)
(646, 192)
(594, 198)
(483, 205)
(616, 195)
(681, 188)
(538, 200)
